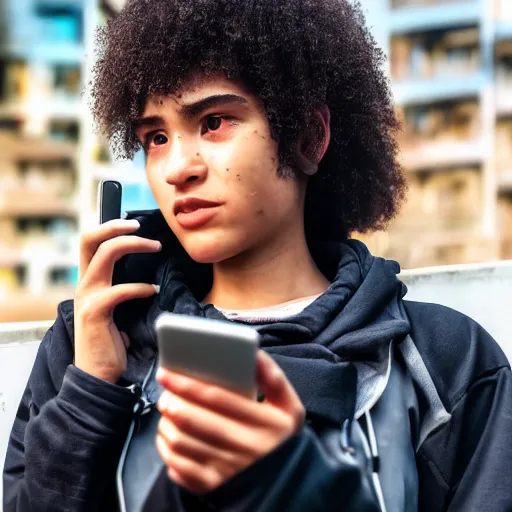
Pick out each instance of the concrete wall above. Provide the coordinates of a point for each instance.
(18, 348)
(483, 292)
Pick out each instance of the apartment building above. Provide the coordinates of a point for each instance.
(50, 159)
(450, 62)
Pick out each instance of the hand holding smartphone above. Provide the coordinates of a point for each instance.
(100, 348)
(222, 353)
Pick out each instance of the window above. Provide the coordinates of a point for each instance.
(59, 25)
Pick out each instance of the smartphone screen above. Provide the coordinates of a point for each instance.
(109, 200)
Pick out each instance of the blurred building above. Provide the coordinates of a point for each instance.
(451, 69)
(451, 66)
(50, 159)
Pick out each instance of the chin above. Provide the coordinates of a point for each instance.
(204, 249)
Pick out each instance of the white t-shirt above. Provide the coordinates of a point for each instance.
(269, 314)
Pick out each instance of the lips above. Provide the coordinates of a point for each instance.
(192, 212)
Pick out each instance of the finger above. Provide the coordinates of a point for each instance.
(91, 240)
(183, 444)
(218, 399)
(102, 303)
(208, 426)
(101, 266)
(186, 472)
(276, 386)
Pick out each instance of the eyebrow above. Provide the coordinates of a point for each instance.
(191, 110)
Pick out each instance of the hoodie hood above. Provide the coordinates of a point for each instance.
(339, 343)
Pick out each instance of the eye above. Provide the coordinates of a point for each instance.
(158, 139)
(154, 139)
(213, 123)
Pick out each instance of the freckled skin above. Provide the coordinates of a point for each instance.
(187, 159)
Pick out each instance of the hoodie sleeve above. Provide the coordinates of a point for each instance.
(464, 465)
(472, 470)
(67, 434)
(308, 472)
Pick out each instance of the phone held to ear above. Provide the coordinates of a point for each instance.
(109, 200)
(222, 353)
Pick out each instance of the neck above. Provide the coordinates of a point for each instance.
(281, 271)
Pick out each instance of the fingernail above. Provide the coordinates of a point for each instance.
(163, 402)
(174, 476)
(157, 290)
(159, 373)
(172, 403)
(131, 223)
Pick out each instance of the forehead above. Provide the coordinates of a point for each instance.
(196, 88)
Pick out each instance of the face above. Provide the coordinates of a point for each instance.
(212, 167)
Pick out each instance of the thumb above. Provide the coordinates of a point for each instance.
(277, 389)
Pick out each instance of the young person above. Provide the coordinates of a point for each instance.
(269, 131)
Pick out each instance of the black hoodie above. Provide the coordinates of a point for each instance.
(421, 393)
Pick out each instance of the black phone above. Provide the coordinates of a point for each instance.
(109, 200)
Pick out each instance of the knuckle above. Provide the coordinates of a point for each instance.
(290, 424)
(185, 386)
(86, 310)
(251, 448)
(207, 394)
(106, 247)
(87, 238)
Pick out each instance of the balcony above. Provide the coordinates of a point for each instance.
(504, 99)
(434, 155)
(20, 202)
(505, 181)
(58, 109)
(503, 25)
(428, 90)
(417, 18)
(503, 30)
(54, 53)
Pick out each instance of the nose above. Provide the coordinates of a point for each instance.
(184, 163)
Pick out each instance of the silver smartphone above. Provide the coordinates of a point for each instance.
(222, 353)
(109, 200)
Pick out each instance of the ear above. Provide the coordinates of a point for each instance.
(314, 142)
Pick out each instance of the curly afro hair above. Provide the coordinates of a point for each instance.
(293, 55)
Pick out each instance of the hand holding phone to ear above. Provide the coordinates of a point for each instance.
(100, 349)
